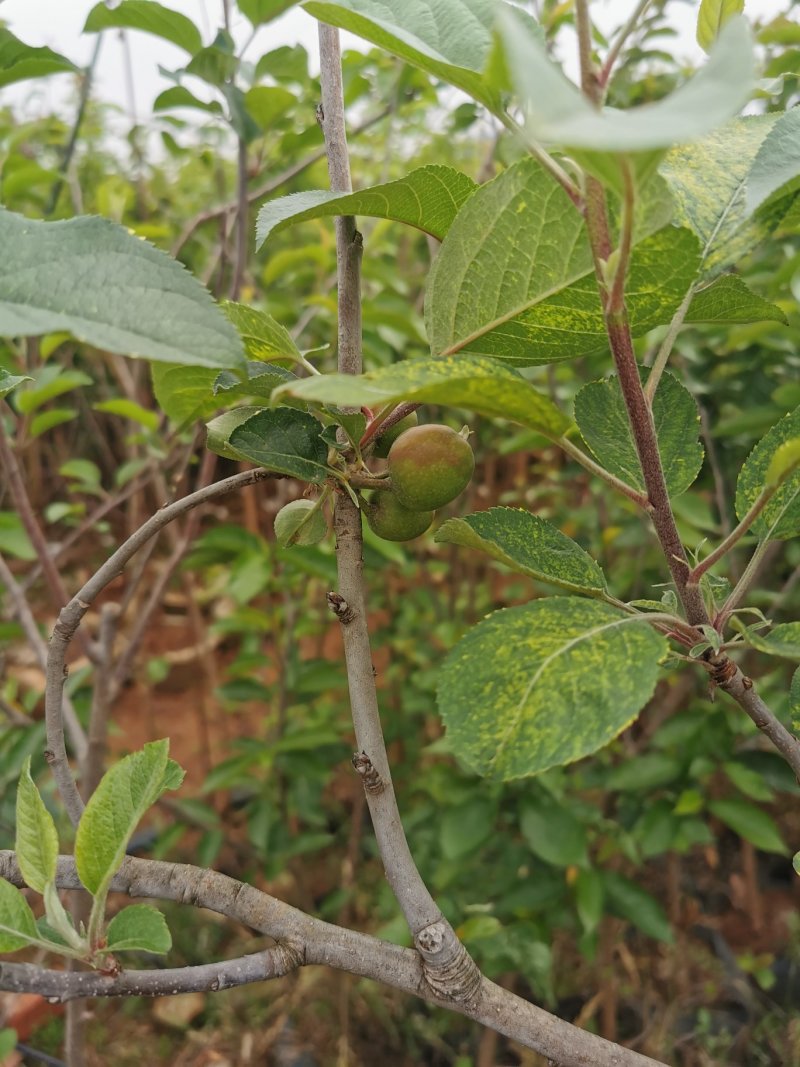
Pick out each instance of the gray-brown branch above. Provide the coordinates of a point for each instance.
(311, 941)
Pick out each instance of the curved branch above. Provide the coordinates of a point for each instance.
(70, 616)
(320, 942)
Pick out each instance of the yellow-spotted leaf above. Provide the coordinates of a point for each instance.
(514, 278)
(603, 421)
(774, 457)
(484, 386)
(709, 181)
(528, 545)
(545, 684)
(712, 16)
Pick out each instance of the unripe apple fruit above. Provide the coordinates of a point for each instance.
(386, 440)
(390, 520)
(429, 466)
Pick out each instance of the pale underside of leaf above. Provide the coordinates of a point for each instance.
(558, 113)
(110, 289)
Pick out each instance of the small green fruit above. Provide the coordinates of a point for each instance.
(386, 440)
(390, 520)
(295, 525)
(430, 466)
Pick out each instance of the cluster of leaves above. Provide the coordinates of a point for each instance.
(122, 797)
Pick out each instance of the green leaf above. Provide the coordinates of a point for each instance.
(553, 833)
(558, 113)
(529, 545)
(148, 16)
(262, 380)
(780, 518)
(481, 385)
(9, 382)
(141, 928)
(109, 289)
(282, 440)
(52, 381)
(629, 901)
(603, 421)
(8, 1042)
(265, 104)
(463, 829)
(185, 394)
(17, 924)
(46, 420)
(300, 522)
(589, 898)
(179, 96)
(450, 39)
(728, 299)
(514, 277)
(14, 539)
(708, 180)
(37, 840)
(750, 823)
(645, 772)
(20, 61)
(262, 11)
(782, 640)
(216, 64)
(794, 701)
(784, 462)
(124, 794)
(712, 16)
(264, 339)
(776, 168)
(129, 409)
(428, 198)
(545, 684)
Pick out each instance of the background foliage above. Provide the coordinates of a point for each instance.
(661, 861)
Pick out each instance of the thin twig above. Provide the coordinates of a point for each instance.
(240, 254)
(77, 736)
(93, 765)
(665, 351)
(620, 39)
(69, 150)
(747, 579)
(736, 534)
(19, 494)
(720, 489)
(73, 986)
(589, 464)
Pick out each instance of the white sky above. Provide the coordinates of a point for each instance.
(58, 23)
